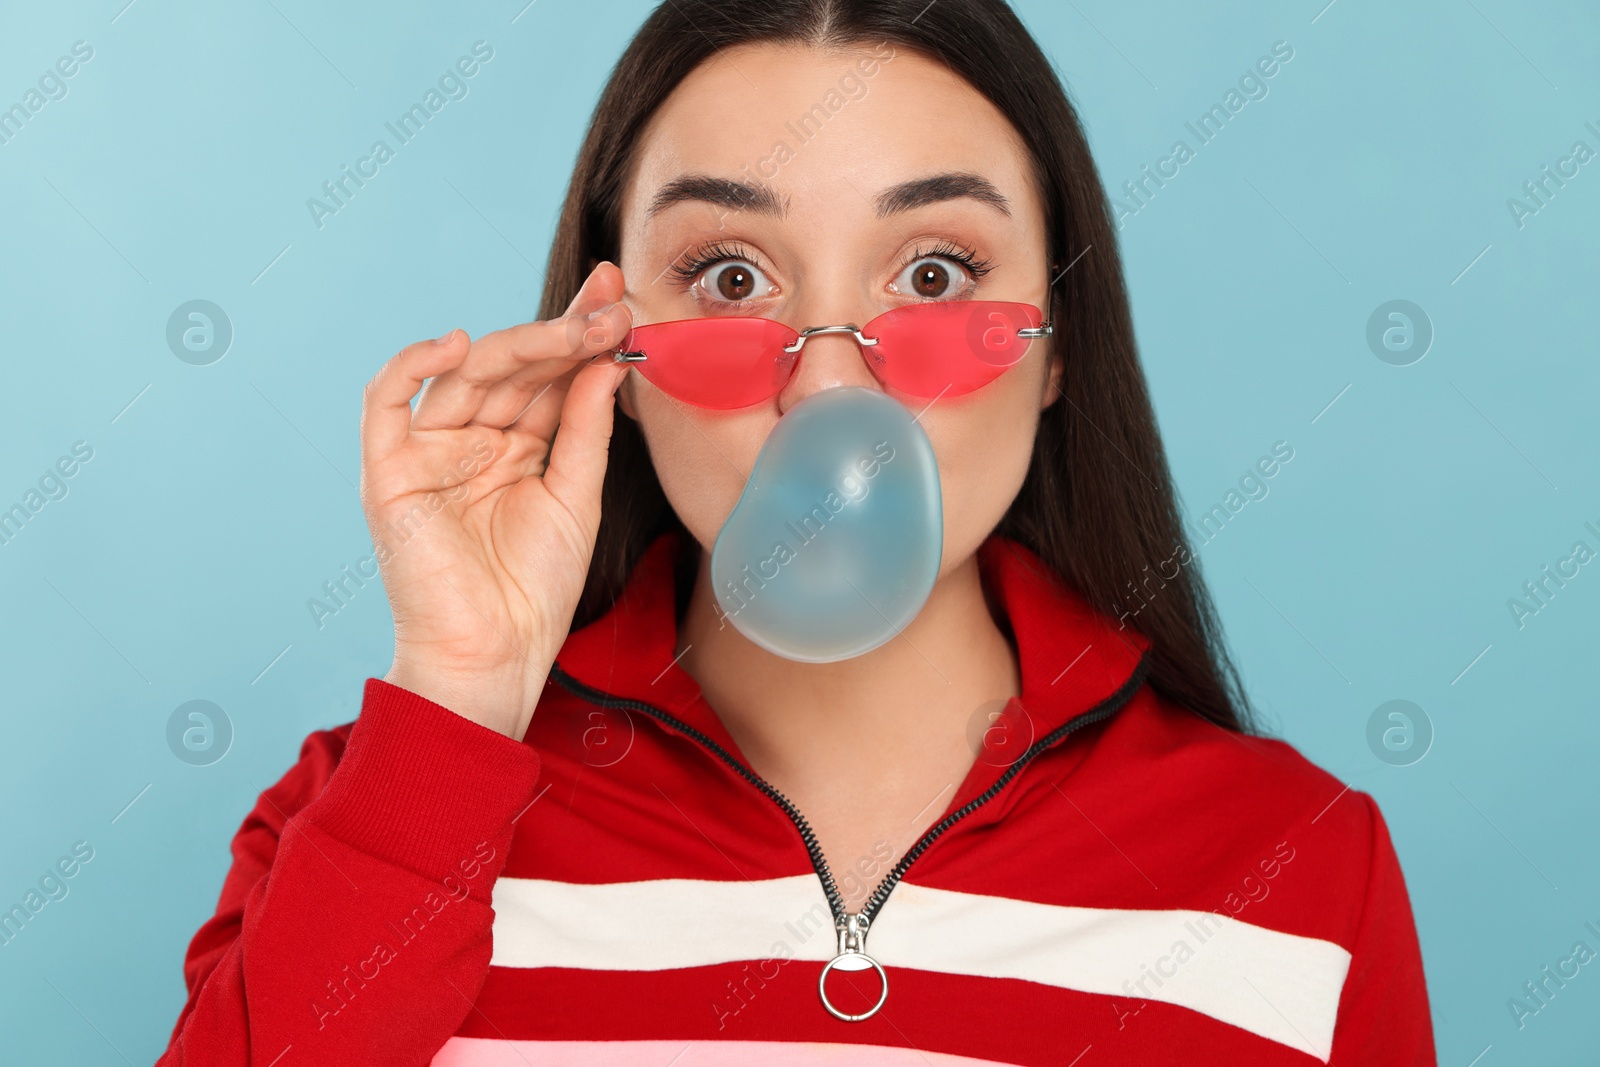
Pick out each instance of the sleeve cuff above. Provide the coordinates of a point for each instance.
(419, 786)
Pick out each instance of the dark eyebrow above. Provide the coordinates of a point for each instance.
(723, 192)
(744, 196)
(921, 191)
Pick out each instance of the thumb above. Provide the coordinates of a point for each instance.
(581, 447)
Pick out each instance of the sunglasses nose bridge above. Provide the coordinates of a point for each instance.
(813, 331)
(856, 368)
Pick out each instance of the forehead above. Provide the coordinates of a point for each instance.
(828, 126)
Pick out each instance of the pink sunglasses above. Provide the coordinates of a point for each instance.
(927, 350)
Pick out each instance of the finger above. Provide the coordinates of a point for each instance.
(386, 399)
(540, 414)
(533, 352)
(603, 286)
(601, 289)
(447, 402)
(508, 398)
(583, 439)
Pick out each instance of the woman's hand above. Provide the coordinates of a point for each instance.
(484, 516)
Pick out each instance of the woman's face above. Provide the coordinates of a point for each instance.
(834, 229)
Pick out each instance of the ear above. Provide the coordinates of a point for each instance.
(1052, 381)
(1054, 371)
(625, 397)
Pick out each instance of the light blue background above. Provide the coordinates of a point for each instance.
(178, 567)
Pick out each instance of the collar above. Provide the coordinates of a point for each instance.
(1072, 657)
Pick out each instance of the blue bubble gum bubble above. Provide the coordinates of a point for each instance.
(834, 545)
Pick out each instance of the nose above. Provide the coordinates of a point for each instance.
(828, 360)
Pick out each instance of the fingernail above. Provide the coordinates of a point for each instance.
(600, 313)
(445, 339)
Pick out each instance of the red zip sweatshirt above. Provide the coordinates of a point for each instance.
(1116, 881)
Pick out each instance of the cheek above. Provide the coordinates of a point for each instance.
(984, 444)
(701, 458)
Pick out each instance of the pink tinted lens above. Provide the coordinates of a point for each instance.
(726, 362)
(950, 347)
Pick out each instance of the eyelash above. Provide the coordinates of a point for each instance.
(708, 256)
(946, 249)
(705, 257)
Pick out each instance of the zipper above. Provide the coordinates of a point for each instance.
(852, 928)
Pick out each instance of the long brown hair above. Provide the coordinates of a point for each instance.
(1097, 503)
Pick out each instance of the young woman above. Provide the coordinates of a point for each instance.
(596, 814)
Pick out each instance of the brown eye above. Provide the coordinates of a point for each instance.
(735, 281)
(929, 279)
(933, 277)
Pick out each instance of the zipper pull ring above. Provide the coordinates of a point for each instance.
(852, 956)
